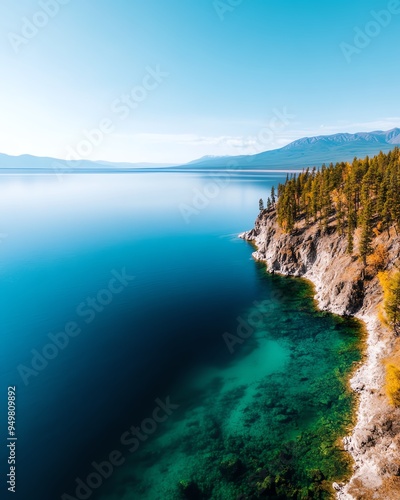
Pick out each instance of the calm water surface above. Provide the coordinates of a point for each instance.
(146, 273)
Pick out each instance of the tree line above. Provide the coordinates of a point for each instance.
(363, 194)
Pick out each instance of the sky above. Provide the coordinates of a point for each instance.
(174, 80)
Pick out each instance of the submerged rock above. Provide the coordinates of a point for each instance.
(231, 468)
(189, 490)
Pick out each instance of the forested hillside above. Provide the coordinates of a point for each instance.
(364, 193)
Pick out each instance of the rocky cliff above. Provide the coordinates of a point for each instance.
(342, 287)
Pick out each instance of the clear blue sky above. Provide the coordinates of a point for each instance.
(228, 73)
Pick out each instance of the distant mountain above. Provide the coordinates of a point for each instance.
(309, 151)
(45, 164)
(362, 138)
(306, 152)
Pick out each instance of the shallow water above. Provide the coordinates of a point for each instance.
(272, 408)
(265, 425)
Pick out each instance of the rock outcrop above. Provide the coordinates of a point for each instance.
(343, 288)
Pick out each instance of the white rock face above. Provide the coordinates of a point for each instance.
(340, 288)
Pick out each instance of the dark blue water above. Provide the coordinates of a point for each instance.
(66, 241)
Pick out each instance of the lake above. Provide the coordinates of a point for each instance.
(152, 357)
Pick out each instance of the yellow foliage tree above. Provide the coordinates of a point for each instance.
(378, 259)
(393, 382)
(390, 283)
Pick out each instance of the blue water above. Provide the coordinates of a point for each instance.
(63, 240)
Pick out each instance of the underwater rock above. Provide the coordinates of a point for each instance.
(189, 490)
(231, 468)
(283, 419)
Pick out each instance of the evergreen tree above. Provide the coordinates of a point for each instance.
(366, 225)
(273, 199)
(350, 236)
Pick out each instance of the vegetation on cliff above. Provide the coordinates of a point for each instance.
(393, 381)
(363, 194)
(390, 283)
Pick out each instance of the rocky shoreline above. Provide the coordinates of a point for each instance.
(341, 288)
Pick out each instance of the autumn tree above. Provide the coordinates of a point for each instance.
(378, 259)
(390, 283)
(393, 381)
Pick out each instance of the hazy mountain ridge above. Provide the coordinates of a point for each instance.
(305, 152)
(37, 163)
(310, 151)
(379, 137)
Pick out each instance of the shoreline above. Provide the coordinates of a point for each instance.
(321, 259)
(352, 376)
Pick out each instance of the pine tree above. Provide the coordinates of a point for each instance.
(366, 230)
(365, 242)
(273, 198)
(350, 236)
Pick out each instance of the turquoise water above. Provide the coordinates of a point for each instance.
(257, 414)
(265, 425)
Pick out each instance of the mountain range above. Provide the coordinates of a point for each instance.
(310, 151)
(306, 152)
